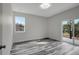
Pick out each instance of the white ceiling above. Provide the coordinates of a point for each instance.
(34, 8)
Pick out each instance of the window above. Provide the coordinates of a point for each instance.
(20, 23)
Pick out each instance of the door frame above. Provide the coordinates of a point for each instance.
(7, 26)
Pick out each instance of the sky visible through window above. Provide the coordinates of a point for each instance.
(75, 21)
(65, 22)
(20, 20)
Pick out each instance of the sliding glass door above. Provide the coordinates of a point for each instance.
(67, 31)
(71, 31)
(76, 31)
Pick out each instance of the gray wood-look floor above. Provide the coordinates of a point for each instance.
(45, 47)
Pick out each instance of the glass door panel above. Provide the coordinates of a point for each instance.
(76, 31)
(67, 31)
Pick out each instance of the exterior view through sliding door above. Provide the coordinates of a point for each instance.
(76, 31)
(67, 31)
(71, 31)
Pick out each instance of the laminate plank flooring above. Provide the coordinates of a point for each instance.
(45, 47)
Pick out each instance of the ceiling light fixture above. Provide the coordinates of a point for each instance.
(45, 5)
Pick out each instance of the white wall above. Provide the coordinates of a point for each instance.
(7, 29)
(36, 28)
(0, 26)
(55, 22)
(39, 27)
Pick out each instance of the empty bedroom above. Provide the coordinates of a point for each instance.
(39, 28)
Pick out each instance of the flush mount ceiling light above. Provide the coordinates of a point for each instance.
(45, 5)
